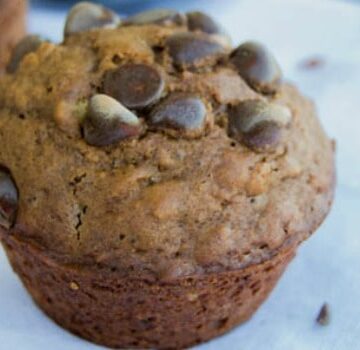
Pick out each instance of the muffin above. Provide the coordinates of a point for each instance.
(12, 27)
(155, 182)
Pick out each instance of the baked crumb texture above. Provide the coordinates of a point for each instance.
(155, 181)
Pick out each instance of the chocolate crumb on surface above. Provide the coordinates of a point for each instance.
(312, 63)
(323, 317)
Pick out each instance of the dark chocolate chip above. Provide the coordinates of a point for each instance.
(199, 21)
(86, 15)
(108, 122)
(180, 111)
(204, 23)
(258, 67)
(243, 116)
(164, 17)
(264, 136)
(323, 317)
(8, 199)
(29, 44)
(134, 85)
(187, 49)
(258, 124)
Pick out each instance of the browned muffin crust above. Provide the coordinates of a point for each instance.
(125, 209)
(12, 27)
(144, 314)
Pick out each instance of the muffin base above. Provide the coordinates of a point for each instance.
(135, 313)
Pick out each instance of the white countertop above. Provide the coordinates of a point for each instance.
(327, 267)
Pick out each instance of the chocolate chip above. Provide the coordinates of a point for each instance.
(86, 15)
(29, 44)
(263, 137)
(134, 85)
(188, 49)
(258, 124)
(180, 111)
(164, 17)
(243, 116)
(108, 122)
(323, 317)
(199, 21)
(202, 22)
(8, 199)
(258, 67)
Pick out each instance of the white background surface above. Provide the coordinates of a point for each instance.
(327, 267)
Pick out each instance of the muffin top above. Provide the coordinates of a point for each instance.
(149, 146)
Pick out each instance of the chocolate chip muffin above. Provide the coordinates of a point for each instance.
(12, 27)
(155, 182)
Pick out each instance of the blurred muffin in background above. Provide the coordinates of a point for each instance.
(12, 26)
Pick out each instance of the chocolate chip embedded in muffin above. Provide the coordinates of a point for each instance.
(134, 85)
(86, 15)
(8, 199)
(258, 67)
(264, 136)
(199, 21)
(247, 113)
(165, 17)
(108, 122)
(184, 113)
(258, 124)
(191, 49)
(27, 45)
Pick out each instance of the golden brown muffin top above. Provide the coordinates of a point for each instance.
(150, 146)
